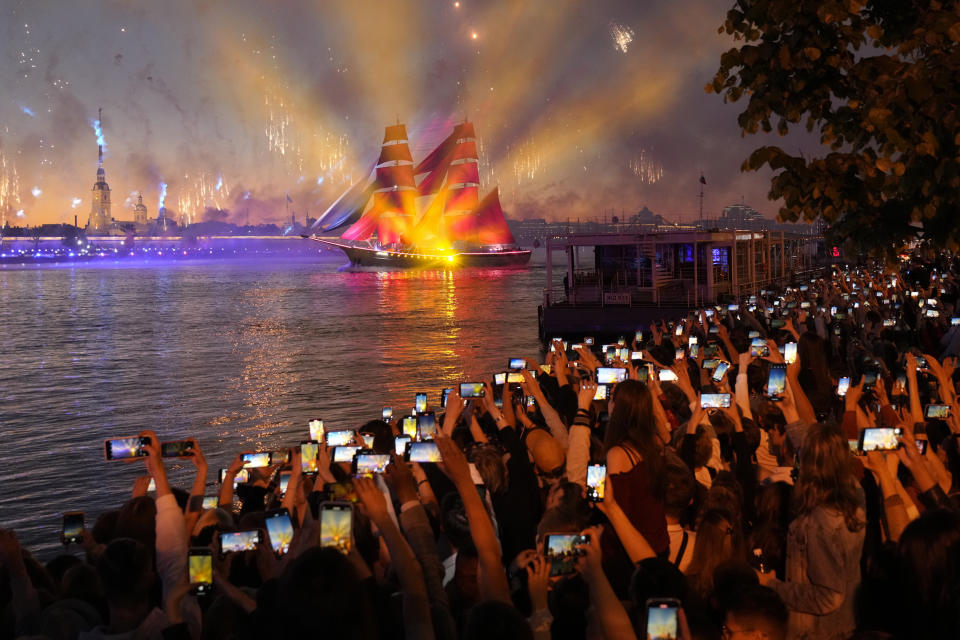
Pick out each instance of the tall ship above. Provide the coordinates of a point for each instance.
(424, 215)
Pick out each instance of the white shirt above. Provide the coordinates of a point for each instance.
(675, 531)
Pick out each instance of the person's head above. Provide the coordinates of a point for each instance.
(718, 539)
(489, 464)
(493, 619)
(929, 551)
(319, 593)
(125, 569)
(680, 488)
(548, 454)
(453, 517)
(724, 497)
(382, 435)
(655, 578)
(826, 476)
(465, 574)
(757, 614)
(137, 520)
(772, 502)
(568, 497)
(703, 447)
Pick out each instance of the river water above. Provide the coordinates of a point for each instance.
(240, 354)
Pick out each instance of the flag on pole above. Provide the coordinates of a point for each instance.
(289, 199)
(702, 179)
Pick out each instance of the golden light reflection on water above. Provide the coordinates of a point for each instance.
(268, 364)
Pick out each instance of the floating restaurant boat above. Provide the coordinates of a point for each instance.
(427, 215)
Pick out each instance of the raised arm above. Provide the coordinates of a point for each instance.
(491, 577)
(611, 616)
(195, 503)
(557, 429)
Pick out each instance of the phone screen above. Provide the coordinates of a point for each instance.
(562, 552)
(938, 411)
(843, 386)
(880, 439)
(516, 364)
(242, 476)
(400, 444)
(500, 379)
(427, 426)
(720, 371)
(663, 619)
(790, 352)
(422, 452)
(284, 481)
(280, 530)
(715, 401)
(408, 426)
(345, 453)
(339, 438)
(367, 464)
(420, 404)
(471, 390)
(236, 541)
(368, 439)
(72, 528)
(667, 375)
(177, 449)
(336, 525)
(316, 430)
(777, 381)
(387, 414)
(611, 375)
(209, 502)
(759, 348)
(443, 397)
(601, 393)
(201, 569)
(308, 456)
(255, 460)
(596, 475)
(125, 448)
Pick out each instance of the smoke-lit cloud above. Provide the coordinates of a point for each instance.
(581, 107)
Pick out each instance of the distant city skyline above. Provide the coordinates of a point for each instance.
(224, 109)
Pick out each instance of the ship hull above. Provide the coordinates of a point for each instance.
(367, 257)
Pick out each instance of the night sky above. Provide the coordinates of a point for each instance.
(582, 107)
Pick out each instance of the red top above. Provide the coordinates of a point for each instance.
(634, 495)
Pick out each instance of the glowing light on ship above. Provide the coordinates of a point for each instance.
(621, 35)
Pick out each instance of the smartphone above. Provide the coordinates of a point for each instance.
(242, 476)
(280, 457)
(516, 364)
(931, 313)
(284, 482)
(209, 502)
(611, 375)
(443, 397)
(921, 446)
(720, 370)
(546, 368)
(715, 401)
(514, 377)
(889, 322)
(336, 525)
(667, 375)
(843, 386)
(869, 379)
(472, 390)
(125, 448)
(759, 348)
(602, 391)
(777, 381)
(588, 341)
(663, 618)
(499, 379)
(72, 529)
(710, 363)
(339, 438)
(237, 541)
(280, 530)
(596, 475)
(427, 426)
(368, 439)
(530, 402)
(937, 411)
(256, 460)
(387, 414)
(400, 444)
(309, 450)
(420, 403)
(316, 429)
(562, 551)
(880, 439)
(694, 350)
(341, 491)
(955, 322)
(367, 463)
(422, 452)
(345, 453)
(200, 564)
(679, 330)
(678, 354)
(790, 352)
(177, 449)
(408, 426)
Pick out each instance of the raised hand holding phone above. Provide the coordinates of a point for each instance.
(538, 582)
(374, 504)
(154, 463)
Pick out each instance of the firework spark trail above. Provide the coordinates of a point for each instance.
(621, 35)
(97, 129)
(9, 189)
(646, 168)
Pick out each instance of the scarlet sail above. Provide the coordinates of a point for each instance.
(432, 206)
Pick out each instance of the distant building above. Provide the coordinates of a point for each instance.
(140, 213)
(100, 218)
(740, 214)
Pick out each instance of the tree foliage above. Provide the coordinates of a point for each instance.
(880, 82)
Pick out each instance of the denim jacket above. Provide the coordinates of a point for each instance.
(822, 575)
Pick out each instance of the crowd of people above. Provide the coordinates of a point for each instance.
(780, 466)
